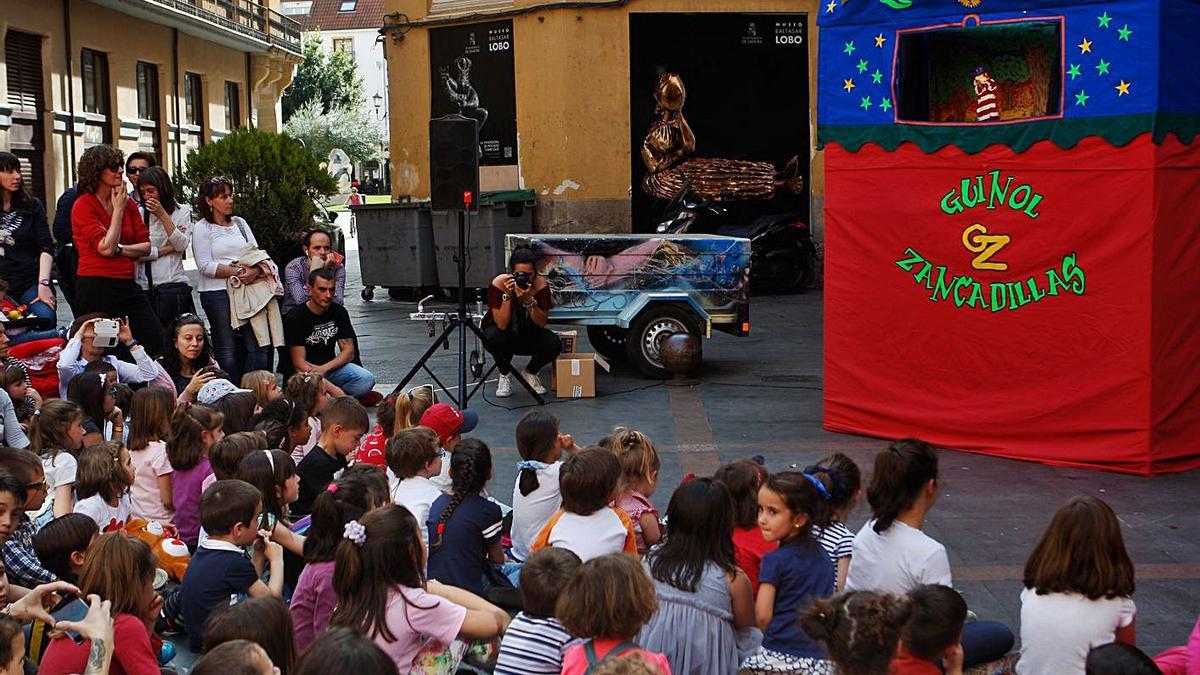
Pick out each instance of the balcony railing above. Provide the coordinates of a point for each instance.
(244, 17)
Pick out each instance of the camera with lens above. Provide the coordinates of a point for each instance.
(522, 279)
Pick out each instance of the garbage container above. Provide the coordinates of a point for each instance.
(395, 248)
(500, 214)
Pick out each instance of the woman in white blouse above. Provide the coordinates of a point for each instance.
(161, 273)
(217, 240)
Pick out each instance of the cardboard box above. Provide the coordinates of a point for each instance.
(575, 375)
(569, 340)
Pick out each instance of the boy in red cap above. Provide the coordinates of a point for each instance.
(449, 423)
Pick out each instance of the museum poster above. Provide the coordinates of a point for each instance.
(471, 73)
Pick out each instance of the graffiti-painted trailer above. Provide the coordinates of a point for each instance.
(633, 291)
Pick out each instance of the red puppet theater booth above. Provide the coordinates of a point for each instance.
(1013, 228)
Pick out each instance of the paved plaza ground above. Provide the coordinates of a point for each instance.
(762, 395)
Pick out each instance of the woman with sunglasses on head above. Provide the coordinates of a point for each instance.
(187, 356)
(109, 237)
(217, 240)
(161, 274)
(25, 241)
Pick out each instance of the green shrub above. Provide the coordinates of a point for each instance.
(275, 181)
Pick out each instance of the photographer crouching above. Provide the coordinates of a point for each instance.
(519, 304)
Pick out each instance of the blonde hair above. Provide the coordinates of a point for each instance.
(409, 407)
(257, 382)
(637, 455)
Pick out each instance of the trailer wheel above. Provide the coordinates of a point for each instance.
(648, 331)
(609, 341)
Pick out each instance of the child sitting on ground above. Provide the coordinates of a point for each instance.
(62, 546)
(414, 457)
(264, 385)
(933, 633)
(843, 482)
(449, 423)
(396, 413)
(16, 383)
(292, 417)
(639, 478)
(194, 430)
(1118, 658)
(236, 656)
(535, 641)
(227, 454)
(342, 650)
(587, 525)
(383, 594)
(310, 392)
(264, 621)
(607, 601)
(343, 422)
(230, 512)
(20, 560)
(56, 436)
(464, 528)
(743, 478)
(860, 630)
(536, 496)
(105, 474)
(150, 427)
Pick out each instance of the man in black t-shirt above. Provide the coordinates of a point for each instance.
(320, 339)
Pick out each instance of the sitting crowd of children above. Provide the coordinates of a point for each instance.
(281, 533)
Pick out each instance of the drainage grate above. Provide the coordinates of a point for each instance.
(790, 379)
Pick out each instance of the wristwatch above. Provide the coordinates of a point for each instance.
(44, 282)
(119, 249)
(504, 297)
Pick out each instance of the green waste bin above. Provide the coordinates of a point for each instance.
(396, 248)
(500, 214)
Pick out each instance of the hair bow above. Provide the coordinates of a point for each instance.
(355, 532)
(819, 486)
(531, 464)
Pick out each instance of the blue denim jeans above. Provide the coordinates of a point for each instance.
(237, 352)
(985, 641)
(353, 379)
(36, 307)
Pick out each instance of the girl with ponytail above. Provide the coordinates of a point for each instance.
(843, 481)
(397, 412)
(892, 555)
(536, 497)
(347, 498)
(861, 630)
(382, 592)
(464, 527)
(194, 429)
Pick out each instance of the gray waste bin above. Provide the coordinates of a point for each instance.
(499, 215)
(396, 248)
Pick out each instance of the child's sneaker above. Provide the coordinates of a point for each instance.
(504, 386)
(534, 381)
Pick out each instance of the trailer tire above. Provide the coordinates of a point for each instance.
(608, 341)
(647, 332)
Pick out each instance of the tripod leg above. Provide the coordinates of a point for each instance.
(425, 357)
(538, 397)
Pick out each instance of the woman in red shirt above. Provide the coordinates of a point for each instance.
(109, 236)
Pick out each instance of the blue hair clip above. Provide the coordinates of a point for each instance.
(531, 464)
(819, 485)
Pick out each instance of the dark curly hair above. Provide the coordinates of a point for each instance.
(860, 630)
(93, 163)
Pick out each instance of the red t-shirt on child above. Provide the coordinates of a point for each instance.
(907, 664)
(575, 660)
(372, 450)
(749, 547)
(89, 224)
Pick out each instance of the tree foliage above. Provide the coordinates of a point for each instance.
(275, 181)
(351, 128)
(329, 77)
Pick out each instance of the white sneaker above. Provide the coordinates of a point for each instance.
(534, 381)
(504, 386)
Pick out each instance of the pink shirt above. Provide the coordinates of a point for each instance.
(441, 621)
(575, 661)
(148, 464)
(634, 504)
(313, 602)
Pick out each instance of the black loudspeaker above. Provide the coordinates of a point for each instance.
(453, 163)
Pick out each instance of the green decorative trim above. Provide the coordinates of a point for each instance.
(1118, 130)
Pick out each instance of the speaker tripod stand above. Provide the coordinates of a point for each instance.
(461, 321)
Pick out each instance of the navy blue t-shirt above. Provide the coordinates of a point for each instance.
(800, 572)
(461, 559)
(211, 578)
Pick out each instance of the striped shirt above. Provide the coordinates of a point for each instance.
(533, 646)
(837, 541)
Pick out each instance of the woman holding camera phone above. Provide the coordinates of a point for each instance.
(109, 236)
(84, 348)
(515, 323)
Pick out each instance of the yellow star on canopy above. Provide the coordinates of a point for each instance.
(848, 85)
(830, 7)
(1085, 46)
(879, 40)
(1123, 88)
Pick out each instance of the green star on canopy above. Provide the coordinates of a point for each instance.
(1081, 98)
(877, 77)
(849, 48)
(866, 103)
(885, 104)
(1104, 19)
(1124, 33)
(1102, 67)
(1073, 71)
(862, 65)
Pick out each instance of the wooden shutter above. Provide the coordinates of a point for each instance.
(23, 55)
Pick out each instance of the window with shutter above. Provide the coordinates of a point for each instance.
(23, 61)
(98, 128)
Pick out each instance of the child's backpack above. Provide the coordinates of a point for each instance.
(593, 662)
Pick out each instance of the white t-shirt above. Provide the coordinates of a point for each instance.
(214, 245)
(1058, 629)
(592, 536)
(417, 495)
(531, 512)
(59, 471)
(896, 561)
(108, 518)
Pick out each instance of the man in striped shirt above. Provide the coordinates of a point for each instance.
(535, 641)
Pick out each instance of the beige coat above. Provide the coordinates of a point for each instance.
(257, 303)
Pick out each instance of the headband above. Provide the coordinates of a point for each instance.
(271, 459)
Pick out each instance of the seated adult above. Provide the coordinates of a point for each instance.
(515, 323)
(82, 350)
(187, 356)
(27, 252)
(318, 254)
(320, 339)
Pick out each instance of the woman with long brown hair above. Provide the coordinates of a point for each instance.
(27, 247)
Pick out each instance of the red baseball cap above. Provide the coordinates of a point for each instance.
(446, 421)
